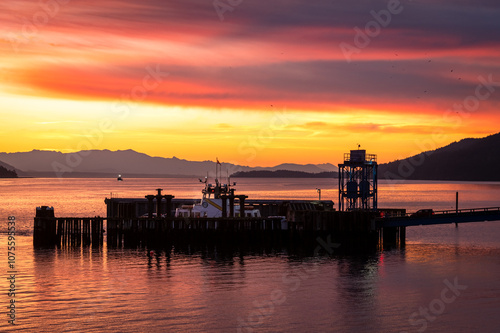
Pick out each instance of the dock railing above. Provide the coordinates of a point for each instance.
(456, 211)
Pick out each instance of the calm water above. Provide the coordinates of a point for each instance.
(446, 280)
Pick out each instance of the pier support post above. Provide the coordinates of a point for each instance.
(44, 229)
(242, 204)
(60, 230)
(158, 202)
(150, 205)
(231, 205)
(224, 205)
(389, 237)
(402, 237)
(97, 231)
(169, 198)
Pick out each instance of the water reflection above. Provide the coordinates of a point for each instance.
(284, 287)
(215, 289)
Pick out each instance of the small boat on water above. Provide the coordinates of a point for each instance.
(212, 201)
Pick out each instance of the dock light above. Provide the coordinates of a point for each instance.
(319, 193)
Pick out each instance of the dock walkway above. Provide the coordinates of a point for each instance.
(442, 217)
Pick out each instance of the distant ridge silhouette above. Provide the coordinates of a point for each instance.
(284, 174)
(129, 163)
(466, 160)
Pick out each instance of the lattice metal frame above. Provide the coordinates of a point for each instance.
(358, 182)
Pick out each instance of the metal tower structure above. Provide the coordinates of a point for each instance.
(358, 181)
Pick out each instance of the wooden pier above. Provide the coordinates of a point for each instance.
(49, 230)
(351, 230)
(151, 222)
(354, 230)
(442, 217)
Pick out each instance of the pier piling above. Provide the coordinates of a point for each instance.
(44, 227)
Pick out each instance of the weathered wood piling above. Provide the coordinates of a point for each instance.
(49, 230)
(44, 227)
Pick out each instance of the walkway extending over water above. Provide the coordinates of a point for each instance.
(442, 217)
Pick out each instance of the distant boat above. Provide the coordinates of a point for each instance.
(119, 178)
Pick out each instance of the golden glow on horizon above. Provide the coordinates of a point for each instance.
(248, 137)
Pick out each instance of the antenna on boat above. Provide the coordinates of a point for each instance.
(217, 170)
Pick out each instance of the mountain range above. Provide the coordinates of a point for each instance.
(465, 160)
(283, 174)
(128, 163)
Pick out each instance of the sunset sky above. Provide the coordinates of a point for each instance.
(248, 81)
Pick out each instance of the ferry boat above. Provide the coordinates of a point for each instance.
(211, 203)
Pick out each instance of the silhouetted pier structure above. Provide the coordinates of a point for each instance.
(343, 227)
(151, 221)
(354, 230)
(49, 230)
(282, 221)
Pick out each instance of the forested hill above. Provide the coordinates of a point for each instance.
(5, 173)
(465, 160)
